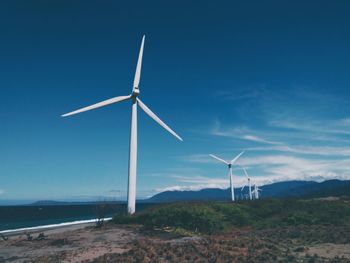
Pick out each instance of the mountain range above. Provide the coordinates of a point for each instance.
(286, 189)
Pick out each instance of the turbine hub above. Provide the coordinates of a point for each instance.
(229, 165)
(135, 92)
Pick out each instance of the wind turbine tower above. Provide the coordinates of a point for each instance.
(256, 191)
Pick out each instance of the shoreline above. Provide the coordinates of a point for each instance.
(53, 228)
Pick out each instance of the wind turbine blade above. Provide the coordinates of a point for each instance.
(139, 65)
(243, 187)
(236, 158)
(219, 159)
(245, 172)
(98, 105)
(155, 117)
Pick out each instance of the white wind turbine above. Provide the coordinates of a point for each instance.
(256, 191)
(229, 164)
(249, 184)
(133, 131)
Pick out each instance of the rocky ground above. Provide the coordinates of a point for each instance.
(114, 243)
(69, 244)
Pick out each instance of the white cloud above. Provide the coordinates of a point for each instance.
(184, 188)
(301, 157)
(258, 139)
(311, 150)
(305, 131)
(240, 132)
(340, 126)
(267, 169)
(282, 168)
(196, 183)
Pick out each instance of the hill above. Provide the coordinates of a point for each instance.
(270, 230)
(281, 189)
(214, 217)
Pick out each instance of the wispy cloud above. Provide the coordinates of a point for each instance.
(241, 132)
(282, 167)
(258, 139)
(292, 141)
(307, 150)
(278, 132)
(340, 126)
(244, 93)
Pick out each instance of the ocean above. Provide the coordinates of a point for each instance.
(17, 217)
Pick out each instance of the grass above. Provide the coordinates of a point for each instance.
(260, 231)
(220, 217)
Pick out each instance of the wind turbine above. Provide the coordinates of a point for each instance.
(133, 130)
(249, 184)
(229, 164)
(256, 191)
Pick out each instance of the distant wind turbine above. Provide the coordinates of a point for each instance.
(256, 191)
(133, 131)
(249, 184)
(229, 164)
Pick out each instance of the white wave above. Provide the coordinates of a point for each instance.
(52, 225)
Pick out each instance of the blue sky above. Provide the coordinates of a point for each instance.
(270, 77)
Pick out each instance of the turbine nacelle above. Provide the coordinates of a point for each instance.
(135, 92)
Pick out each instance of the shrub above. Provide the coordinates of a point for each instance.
(213, 217)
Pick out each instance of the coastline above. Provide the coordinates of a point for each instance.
(52, 228)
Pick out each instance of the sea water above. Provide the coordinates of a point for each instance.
(29, 216)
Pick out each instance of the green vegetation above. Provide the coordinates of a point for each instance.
(219, 217)
(276, 230)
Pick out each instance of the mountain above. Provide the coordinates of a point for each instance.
(326, 188)
(286, 189)
(204, 194)
(281, 189)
